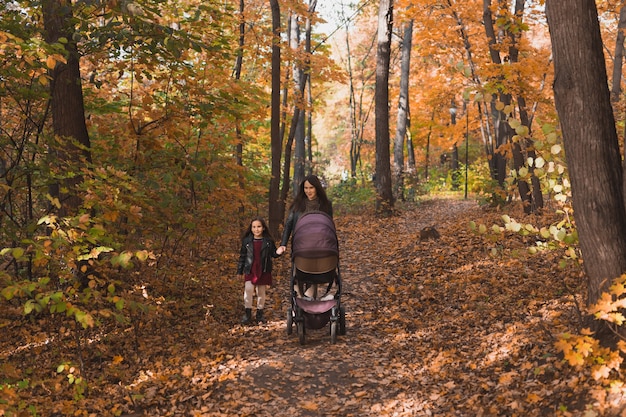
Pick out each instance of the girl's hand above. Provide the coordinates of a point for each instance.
(280, 250)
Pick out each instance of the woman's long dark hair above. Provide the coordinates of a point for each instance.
(266, 230)
(299, 203)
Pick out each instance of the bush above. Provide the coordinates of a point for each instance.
(352, 196)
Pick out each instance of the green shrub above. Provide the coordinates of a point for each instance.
(352, 195)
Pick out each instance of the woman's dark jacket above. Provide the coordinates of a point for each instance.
(292, 219)
(246, 255)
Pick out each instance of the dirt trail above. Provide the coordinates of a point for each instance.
(395, 358)
(365, 372)
(434, 328)
(456, 326)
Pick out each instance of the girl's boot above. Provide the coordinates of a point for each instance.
(260, 318)
(247, 317)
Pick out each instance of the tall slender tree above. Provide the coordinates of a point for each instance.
(299, 88)
(384, 200)
(276, 206)
(359, 85)
(403, 110)
(237, 76)
(618, 56)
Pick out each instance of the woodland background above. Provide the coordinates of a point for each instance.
(139, 137)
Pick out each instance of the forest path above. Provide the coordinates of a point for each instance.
(366, 371)
(434, 328)
(462, 325)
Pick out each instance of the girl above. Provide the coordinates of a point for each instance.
(255, 266)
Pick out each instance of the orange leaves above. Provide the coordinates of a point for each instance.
(507, 378)
(51, 60)
(612, 303)
(584, 350)
(309, 405)
(533, 398)
(436, 328)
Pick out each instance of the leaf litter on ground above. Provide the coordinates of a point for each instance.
(461, 325)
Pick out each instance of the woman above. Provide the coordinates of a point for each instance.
(311, 197)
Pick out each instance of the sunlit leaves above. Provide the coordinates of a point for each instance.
(612, 304)
(585, 350)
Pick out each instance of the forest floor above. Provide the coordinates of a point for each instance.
(460, 325)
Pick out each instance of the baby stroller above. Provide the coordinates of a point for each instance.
(314, 273)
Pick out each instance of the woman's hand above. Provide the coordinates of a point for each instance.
(281, 250)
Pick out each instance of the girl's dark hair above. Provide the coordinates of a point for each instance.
(266, 230)
(299, 202)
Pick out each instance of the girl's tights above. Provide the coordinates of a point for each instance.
(248, 295)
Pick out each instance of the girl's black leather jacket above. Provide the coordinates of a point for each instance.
(246, 255)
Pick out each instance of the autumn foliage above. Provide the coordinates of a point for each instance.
(460, 323)
(127, 304)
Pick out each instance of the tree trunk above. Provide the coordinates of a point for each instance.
(308, 137)
(430, 133)
(68, 112)
(309, 130)
(359, 115)
(618, 61)
(237, 76)
(530, 194)
(536, 195)
(296, 120)
(298, 95)
(591, 145)
(500, 130)
(411, 169)
(403, 111)
(384, 200)
(276, 206)
(284, 191)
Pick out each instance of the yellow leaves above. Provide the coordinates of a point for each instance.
(600, 372)
(443, 329)
(142, 255)
(122, 259)
(575, 348)
(611, 303)
(51, 62)
(584, 350)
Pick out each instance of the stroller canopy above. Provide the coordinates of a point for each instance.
(315, 247)
(315, 236)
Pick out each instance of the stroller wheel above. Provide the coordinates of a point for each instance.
(333, 332)
(342, 321)
(289, 321)
(301, 335)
